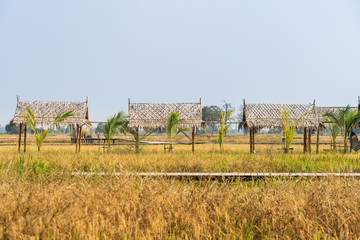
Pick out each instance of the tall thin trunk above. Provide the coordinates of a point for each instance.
(345, 142)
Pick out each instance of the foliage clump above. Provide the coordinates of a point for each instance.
(345, 120)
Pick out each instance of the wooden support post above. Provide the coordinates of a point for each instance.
(253, 141)
(77, 136)
(20, 126)
(309, 140)
(193, 139)
(25, 138)
(250, 140)
(305, 140)
(317, 139)
(73, 133)
(80, 133)
(251, 145)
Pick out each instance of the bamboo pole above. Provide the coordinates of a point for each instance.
(193, 139)
(80, 131)
(317, 139)
(250, 133)
(77, 136)
(309, 140)
(253, 141)
(305, 140)
(25, 138)
(20, 126)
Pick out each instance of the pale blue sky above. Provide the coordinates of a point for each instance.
(276, 51)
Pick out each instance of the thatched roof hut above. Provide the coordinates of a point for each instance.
(155, 115)
(269, 115)
(45, 112)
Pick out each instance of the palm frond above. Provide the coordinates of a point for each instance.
(172, 125)
(61, 117)
(114, 124)
(223, 127)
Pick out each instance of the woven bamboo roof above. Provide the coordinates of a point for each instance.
(45, 112)
(269, 115)
(155, 115)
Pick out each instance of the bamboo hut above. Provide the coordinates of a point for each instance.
(258, 116)
(155, 115)
(45, 113)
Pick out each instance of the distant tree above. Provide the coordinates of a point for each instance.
(99, 128)
(68, 130)
(61, 129)
(274, 130)
(227, 107)
(11, 128)
(240, 115)
(212, 115)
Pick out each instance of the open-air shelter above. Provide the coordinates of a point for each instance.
(261, 115)
(155, 115)
(45, 113)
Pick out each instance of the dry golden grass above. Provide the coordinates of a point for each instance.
(133, 208)
(41, 199)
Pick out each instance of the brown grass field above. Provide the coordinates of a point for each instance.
(41, 199)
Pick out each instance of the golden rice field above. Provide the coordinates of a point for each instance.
(41, 199)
